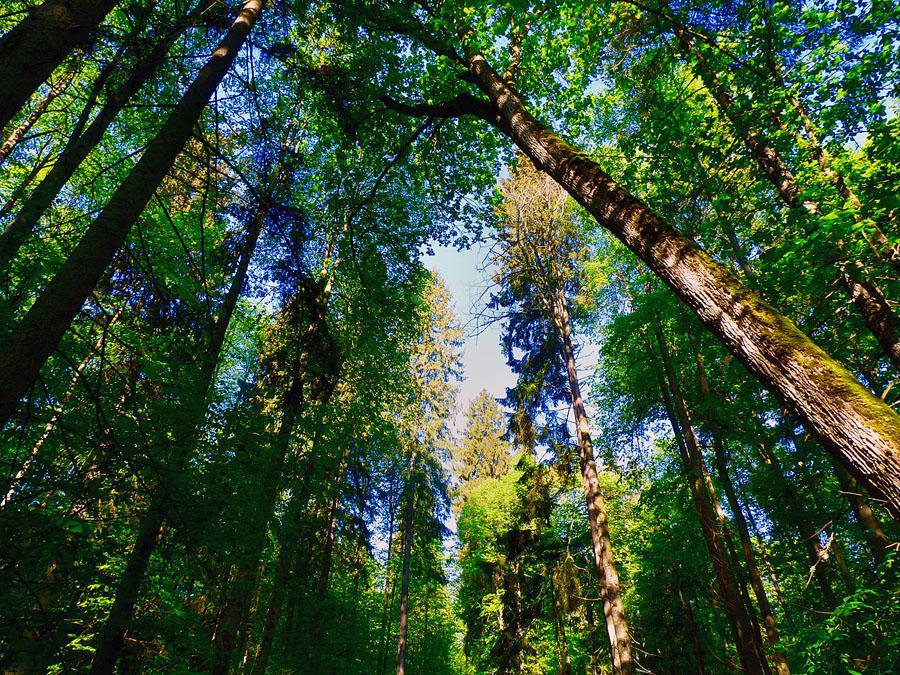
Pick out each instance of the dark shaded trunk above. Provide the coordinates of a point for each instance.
(120, 615)
(31, 51)
(235, 613)
(691, 625)
(746, 637)
(37, 335)
(756, 583)
(408, 512)
(610, 591)
(858, 429)
(81, 143)
(874, 532)
(388, 588)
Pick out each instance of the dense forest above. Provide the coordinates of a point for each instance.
(232, 438)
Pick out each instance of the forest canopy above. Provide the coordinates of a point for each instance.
(234, 436)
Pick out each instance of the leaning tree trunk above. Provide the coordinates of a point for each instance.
(408, 513)
(25, 126)
(857, 428)
(613, 609)
(721, 460)
(31, 51)
(38, 334)
(80, 145)
(746, 637)
(877, 538)
(120, 614)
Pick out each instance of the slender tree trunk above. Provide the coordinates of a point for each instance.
(120, 615)
(562, 643)
(38, 334)
(237, 603)
(721, 457)
(691, 623)
(388, 592)
(747, 639)
(616, 623)
(31, 51)
(81, 143)
(286, 558)
(853, 425)
(800, 518)
(408, 513)
(25, 126)
(875, 535)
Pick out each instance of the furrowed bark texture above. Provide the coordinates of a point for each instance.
(867, 297)
(853, 425)
(613, 609)
(37, 336)
(31, 51)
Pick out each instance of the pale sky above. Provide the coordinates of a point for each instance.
(485, 367)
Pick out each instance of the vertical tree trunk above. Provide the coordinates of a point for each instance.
(31, 51)
(562, 642)
(38, 334)
(120, 615)
(747, 639)
(408, 514)
(853, 425)
(388, 588)
(691, 623)
(81, 143)
(616, 623)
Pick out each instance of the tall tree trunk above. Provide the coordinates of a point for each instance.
(858, 429)
(235, 612)
(408, 513)
(286, 557)
(81, 143)
(25, 126)
(37, 335)
(868, 299)
(120, 615)
(388, 586)
(747, 639)
(799, 516)
(610, 591)
(875, 535)
(562, 642)
(31, 51)
(691, 623)
(721, 458)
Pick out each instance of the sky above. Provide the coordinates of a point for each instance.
(484, 365)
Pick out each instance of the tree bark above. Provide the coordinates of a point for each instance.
(37, 335)
(858, 429)
(875, 535)
(31, 51)
(120, 615)
(867, 298)
(408, 513)
(756, 583)
(747, 639)
(610, 591)
(80, 145)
